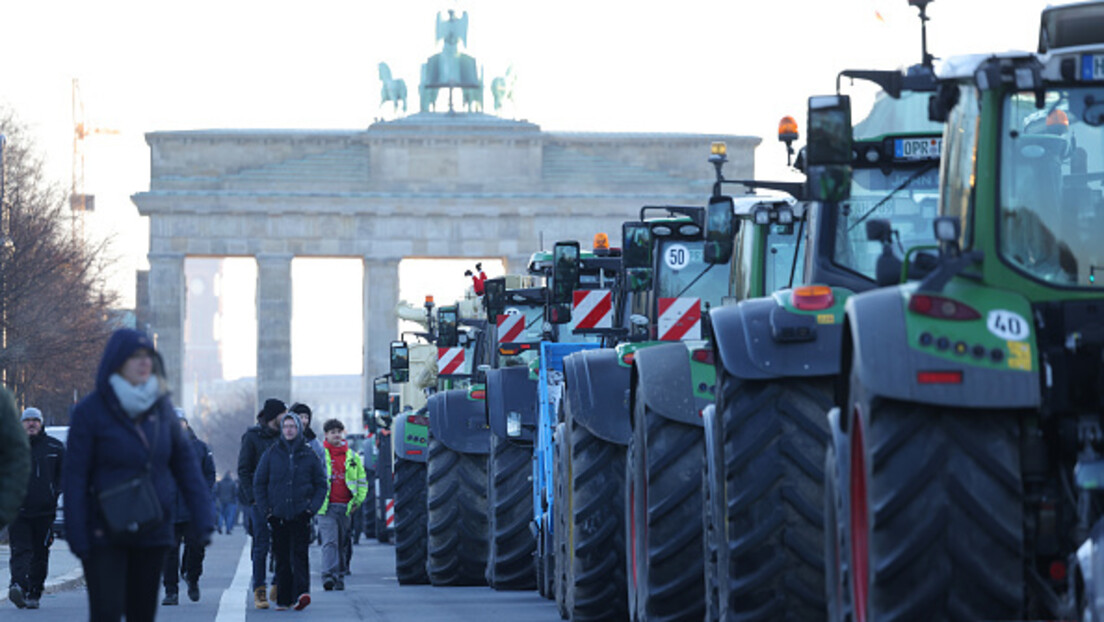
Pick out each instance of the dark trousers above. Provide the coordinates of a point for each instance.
(262, 543)
(123, 581)
(291, 548)
(227, 515)
(30, 553)
(193, 559)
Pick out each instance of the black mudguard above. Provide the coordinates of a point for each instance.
(406, 447)
(598, 394)
(662, 378)
(887, 366)
(458, 422)
(510, 389)
(742, 337)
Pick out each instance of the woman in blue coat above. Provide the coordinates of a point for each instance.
(289, 487)
(124, 425)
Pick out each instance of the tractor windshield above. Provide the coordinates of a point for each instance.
(1051, 209)
(683, 273)
(782, 245)
(905, 194)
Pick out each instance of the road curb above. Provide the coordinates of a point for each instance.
(70, 580)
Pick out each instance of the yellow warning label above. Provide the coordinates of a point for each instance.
(826, 318)
(1019, 355)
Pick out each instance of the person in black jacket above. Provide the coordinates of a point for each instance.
(289, 488)
(194, 551)
(125, 430)
(254, 443)
(29, 535)
(226, 497)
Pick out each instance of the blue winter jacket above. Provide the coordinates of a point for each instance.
(289, 480)
(105, 449)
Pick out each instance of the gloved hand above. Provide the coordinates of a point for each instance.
(273, 521)
(305, 516)
(478, 267)
(467, 272)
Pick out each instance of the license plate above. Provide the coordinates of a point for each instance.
(1092, 66)
(917, 148)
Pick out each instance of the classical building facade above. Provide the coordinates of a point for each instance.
(427, 185)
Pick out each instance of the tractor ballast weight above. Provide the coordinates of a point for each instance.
(604, 411)
(459, 421)
(662, 376)
(510, 390)
(761, 338)
(878, 318)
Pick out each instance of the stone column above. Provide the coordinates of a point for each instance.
(381, 294)
(166, 312)
(273, 327)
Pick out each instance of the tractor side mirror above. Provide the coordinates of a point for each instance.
(380, 390)
(494, 297)
(636, 255)
(828, 149)
(720, 230)
(565, 271)
(400, 361)
(447, 336)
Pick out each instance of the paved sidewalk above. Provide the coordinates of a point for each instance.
(65, 569)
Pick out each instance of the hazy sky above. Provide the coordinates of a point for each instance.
(709, 66)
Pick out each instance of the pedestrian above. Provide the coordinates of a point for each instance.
(254, 443)
(348, 486)
(305, 415)
(226, 495)
(194, 550)
(289, 487)
(15, 460)
(126, 456)
(30, 534)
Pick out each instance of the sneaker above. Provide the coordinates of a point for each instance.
(193, 591)
(328, 583)
(301, 604)
(340, 585)
(15, 594)
(171, 598)
(260, 601)
(32, 603)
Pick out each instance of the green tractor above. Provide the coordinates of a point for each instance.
(971, 400)
(663, 258)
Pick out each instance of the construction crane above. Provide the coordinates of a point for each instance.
(79, 202)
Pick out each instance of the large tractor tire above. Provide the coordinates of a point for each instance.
(596, 534)
(775, 436)
(411, 523)
(510, 501)
(560, 510)
(713, 513)
(935, 500)
(457, 514)
(665, 564)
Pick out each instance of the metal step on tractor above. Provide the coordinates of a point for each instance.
(968, 422)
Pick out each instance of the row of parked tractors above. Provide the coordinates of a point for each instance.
(873, 395)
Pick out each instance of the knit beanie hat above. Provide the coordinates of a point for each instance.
(272, 408)
(31, 413)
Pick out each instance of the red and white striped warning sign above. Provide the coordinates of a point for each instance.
(390, 505)
(679, 319)
(449, 360)
(510, 327)
(591, 309)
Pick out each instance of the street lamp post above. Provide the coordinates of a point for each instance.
(7, 248)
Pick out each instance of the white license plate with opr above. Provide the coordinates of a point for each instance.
(917, 148)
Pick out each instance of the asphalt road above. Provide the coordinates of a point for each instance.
(371, 593)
